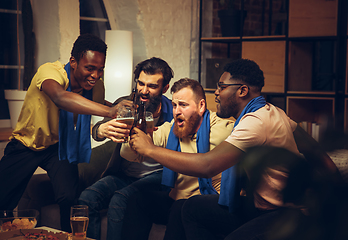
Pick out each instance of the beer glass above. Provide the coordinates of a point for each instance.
(79, 221)
(126, 115)
(149, 122)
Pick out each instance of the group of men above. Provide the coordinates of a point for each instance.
(186, 175)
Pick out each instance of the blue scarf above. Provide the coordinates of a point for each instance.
(167, 109)
(203, 146)
(229, 180)
(75, 143)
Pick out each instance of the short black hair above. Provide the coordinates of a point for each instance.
(153, 66)
(87, 42)
(246, 71)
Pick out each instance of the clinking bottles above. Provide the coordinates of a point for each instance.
(141, 120)
(141, 123)
(133, 97)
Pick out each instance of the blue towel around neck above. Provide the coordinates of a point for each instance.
(229, 190)
(75, 143)
(167, 109)
(203, 146)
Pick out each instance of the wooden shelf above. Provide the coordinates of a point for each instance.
(308, 70)
(266, 38)
(311, 92)
(270, 56)
(312, 18)
(219, 39)
(310, 109)
(300, 66)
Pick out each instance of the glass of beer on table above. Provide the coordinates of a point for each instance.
(126, 115)
(79, 221)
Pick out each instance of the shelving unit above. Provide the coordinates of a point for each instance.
(301, 46)
(310, 109)
(270, 56)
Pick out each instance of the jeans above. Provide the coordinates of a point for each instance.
(112, 193)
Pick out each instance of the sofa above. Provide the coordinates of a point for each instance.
(39, 195)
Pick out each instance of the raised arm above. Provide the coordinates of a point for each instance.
(205, 165)
(75, 103)
(109, 128)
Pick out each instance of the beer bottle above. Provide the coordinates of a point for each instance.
(141, 121)
(133, 98)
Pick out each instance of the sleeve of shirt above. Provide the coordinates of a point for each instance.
(293, 124)
(54, 71)
(249, 132)
(160, 136)
(220, 129)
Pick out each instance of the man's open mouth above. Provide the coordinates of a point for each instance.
(180, 121)
(144, 98)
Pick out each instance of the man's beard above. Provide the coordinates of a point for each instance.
(153, 103)
(223, 112)
(189, 127)
(227, 111)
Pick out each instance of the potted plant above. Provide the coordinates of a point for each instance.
(15, 97)
(231, 18)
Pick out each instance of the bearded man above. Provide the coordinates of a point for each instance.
(122, 178)
(194, 129)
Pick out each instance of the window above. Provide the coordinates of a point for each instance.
(93, 18)
(11, 60)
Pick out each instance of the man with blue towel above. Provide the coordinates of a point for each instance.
(53, 128)
(194, 129)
